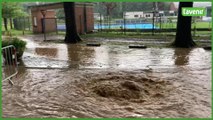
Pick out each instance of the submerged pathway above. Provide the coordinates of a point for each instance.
(62, 80)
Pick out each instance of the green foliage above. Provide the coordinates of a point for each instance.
(60, 13)
(19, 44)
(12, 10)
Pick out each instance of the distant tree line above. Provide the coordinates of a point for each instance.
(11, 10)
(121, 7)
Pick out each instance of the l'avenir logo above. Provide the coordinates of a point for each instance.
(193, 11)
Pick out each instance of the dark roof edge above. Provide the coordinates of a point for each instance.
(56, 3)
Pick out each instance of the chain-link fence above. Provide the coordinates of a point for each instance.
(143, 22)
(22, 23)
(148, 23)
(53, 28)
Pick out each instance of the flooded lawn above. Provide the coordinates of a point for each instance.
(78, 81)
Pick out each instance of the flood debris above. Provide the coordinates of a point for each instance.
(135, 89)
(116, 90)
(131, 85)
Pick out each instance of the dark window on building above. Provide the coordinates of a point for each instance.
(135, 15)
(148, 15)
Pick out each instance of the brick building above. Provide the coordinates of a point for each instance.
(84, 17)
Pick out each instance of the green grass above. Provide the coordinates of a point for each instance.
(13, 32)
(16, 33)
(197, 25)
(202, 25)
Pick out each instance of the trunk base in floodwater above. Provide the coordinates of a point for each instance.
(207, 48)
(182, 44)
(71, 27)
(94, 44)
(183, 37)
(138, 46)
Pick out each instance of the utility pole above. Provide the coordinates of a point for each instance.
(124, 22)
(153, 18)
(100, 21)
(155, 10)
(124, 16)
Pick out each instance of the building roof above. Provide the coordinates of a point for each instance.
(196, 4)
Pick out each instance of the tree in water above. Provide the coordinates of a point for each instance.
(183, 34)
(70, 21)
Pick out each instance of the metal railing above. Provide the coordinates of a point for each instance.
(9, 63)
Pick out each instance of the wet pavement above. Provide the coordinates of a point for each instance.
(57, 80)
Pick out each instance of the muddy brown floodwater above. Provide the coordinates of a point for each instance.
(110, 81)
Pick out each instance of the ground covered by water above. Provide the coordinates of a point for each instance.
(78, 81)
(100, 93)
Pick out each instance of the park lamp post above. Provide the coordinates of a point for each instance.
(124, 16)
(124, 22)
(100, 21)
(161, 14)
(157, 16)
(153, 21)
(43, 12)
(155, 10)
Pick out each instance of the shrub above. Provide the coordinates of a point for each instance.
(19, 44)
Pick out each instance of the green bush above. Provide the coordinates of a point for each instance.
(20, 45)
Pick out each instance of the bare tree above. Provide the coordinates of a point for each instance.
(109, 7)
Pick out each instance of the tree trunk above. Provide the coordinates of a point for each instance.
(11, 23)
(71, 29)
(183, 34)
(5, 24)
